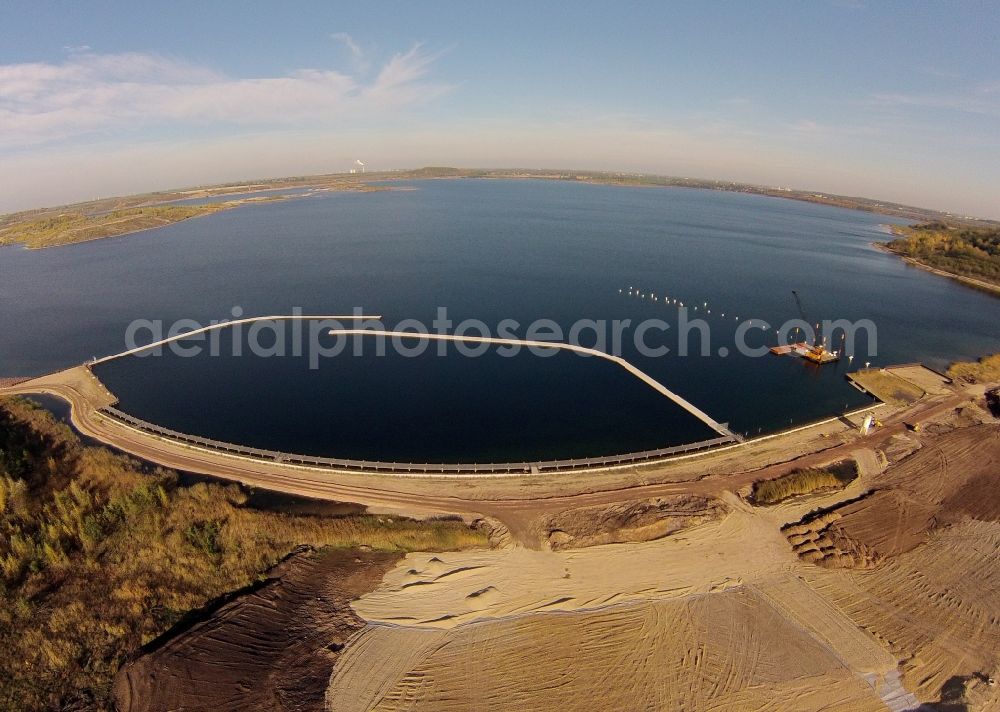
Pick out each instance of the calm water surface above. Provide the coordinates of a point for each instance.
(488, 250)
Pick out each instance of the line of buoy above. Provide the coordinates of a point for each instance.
(667, 299)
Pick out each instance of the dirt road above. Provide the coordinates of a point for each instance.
(518, 502)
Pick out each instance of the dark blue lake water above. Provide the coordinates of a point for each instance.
(488, 250)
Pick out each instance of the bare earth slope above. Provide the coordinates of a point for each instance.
(953, 477)
(729, 650)
(269, 649)
(919, 559)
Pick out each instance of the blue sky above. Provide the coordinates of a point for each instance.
(899, 101)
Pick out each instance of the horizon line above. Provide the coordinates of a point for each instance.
(258, 184)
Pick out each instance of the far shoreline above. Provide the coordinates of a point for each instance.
(353, 182)
(972, 282)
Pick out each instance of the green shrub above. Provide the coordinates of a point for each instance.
(966, 251)
(204, 536)
(805, 481)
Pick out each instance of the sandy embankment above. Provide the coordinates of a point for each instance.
(714, 614)
(723, 615)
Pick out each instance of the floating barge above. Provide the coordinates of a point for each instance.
(816, 354)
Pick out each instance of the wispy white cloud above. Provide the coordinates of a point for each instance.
(89, 92)
(399, 80)
(360, 59)
(982, 99)
(353, 47)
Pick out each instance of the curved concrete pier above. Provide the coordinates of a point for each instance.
(701, 415)
(641, 375)
(232, 322)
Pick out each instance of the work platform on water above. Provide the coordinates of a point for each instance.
(816, 354)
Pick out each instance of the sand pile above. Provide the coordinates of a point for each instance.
(711, 617)
(446, 589)
(730, 650)
(721, 615)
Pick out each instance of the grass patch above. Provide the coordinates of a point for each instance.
(72, 227)
(985, 370)
(805, 481)
(887, 387)
(99, 556)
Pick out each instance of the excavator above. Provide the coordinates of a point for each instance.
(816, 353)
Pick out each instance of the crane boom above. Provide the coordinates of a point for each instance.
(802, 313)
(817, 353)
(798, 302)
